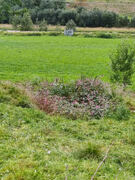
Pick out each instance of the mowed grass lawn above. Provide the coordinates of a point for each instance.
(26, 58)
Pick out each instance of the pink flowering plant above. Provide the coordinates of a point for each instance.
(87, 98)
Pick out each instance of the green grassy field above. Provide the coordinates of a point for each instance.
(69, 58)
(25, 58)
(36, 146)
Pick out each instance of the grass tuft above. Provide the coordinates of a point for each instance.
(11, 94)
(88, 151)
(131, 137)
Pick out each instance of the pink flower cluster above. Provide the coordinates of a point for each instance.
(87, 98)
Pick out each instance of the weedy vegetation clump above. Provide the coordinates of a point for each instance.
(85, 98)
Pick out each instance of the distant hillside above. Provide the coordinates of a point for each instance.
(107, 1)
(119, 6)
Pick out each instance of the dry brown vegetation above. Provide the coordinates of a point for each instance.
(78, 29)
(122, 7)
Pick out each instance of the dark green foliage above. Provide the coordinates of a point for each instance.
(55, 12)
(7, 9)
(51, 15)
(66, 15)
(83, 20)
(132, 23)
(108, 19)
(122, 60)
(34, 14)
(96, 18)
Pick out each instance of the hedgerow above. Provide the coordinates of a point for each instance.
(55, 12)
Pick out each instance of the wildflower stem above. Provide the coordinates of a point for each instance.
(105, 157)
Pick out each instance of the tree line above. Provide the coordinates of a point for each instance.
(55, 12)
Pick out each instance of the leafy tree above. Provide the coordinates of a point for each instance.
(122, 61)
(7, 9)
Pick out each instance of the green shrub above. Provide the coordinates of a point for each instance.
(122, 60)
(71, 25)
(26, 22)
(43, 25)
